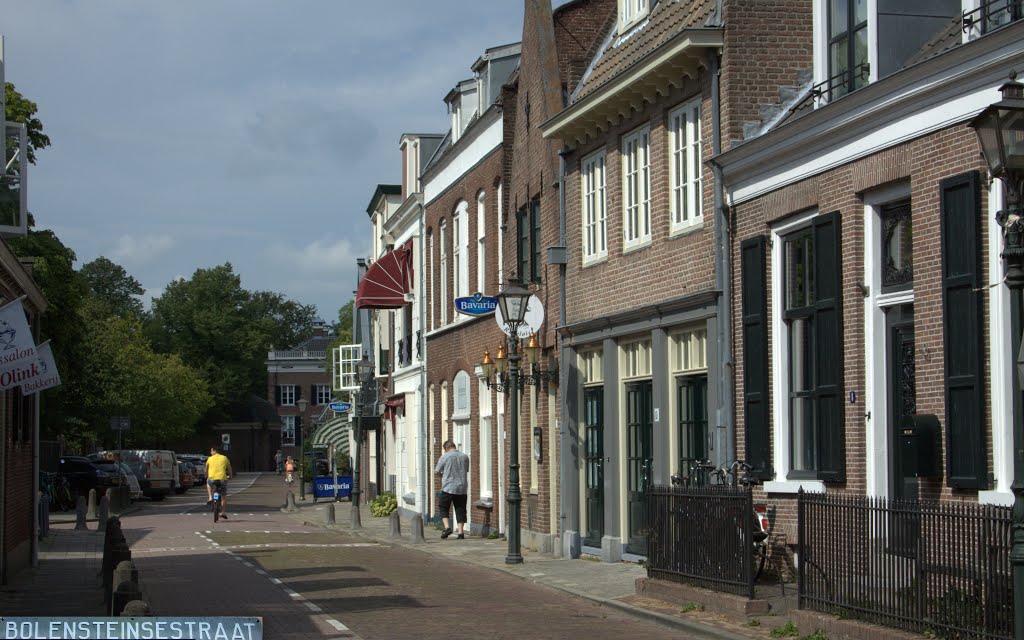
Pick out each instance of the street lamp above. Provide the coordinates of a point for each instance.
(302, 404)
(364, 368)
(1000, 129)
(537, 375)
(513, 301)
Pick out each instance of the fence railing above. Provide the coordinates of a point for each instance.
(930, 567)
(702, 536)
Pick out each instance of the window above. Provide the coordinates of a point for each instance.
(501, 239)
(288, 431)
(429, 276)
(458, 260)
(591, 367)
(687, 182)
(461, 395)
(689, 364)
(486, 424)
(345, 374)
(481, 244)
(631, 12)
(847, 46)
(636, 188)
(897, 246)
(528, 242)
(636, 359)
(689, 350)
(595, 226)
(286, 395)
(323, 394)
(444, 274)
(812, 338)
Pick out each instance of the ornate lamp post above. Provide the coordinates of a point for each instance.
(1000, 129)
(302, 404)
(365, 371)
(513, 302)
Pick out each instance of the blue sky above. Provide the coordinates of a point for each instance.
(189, 133)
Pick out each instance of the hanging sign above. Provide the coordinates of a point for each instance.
(476, 305)
(17, 346)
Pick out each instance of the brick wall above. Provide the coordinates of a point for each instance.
(923, 163)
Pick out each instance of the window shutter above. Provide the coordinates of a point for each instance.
(277, 395)
(535, 241)
(523, 246)
(960, 213)
(297, 389)
(755, 357)
(828, 347)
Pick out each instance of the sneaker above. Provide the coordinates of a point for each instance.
(461, 536)
(224, 515)
(446, 533)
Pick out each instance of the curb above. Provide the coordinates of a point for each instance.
(693, 628)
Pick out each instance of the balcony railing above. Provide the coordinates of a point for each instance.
(294, 354)
(840, 84)
(992, 15)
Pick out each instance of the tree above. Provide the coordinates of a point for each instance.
(21, 109)
(343, 332)
(113, 285)
(224, 331)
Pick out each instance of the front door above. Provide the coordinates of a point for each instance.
(593, 424)
(692, 401)
(639, 434)
(905, 526)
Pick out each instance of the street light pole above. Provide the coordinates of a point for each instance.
(515, 496)
(364, 368)
(1000, 129)
(302, 457)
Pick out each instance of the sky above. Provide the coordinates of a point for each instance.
(190, 133)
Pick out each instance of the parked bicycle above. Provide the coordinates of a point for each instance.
(58, 490)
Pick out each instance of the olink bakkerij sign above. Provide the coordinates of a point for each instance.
(476, 305)
(155, 628)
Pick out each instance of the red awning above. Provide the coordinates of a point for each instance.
(387, 280)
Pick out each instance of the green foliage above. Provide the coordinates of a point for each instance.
(692, 606)
(817, 635)
(754, 623)
(21, 109)
(342, 331)
(787, 630)
(113, 285)
(493, 535)
(384, 504)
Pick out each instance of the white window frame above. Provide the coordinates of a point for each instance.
(287, 395)
(287, 431)
(323, 394)
(460, 250)
(481, 242)
(689, 350)
(444, 301)
(429, 277)
(346, 374)
(780, 365)
(636, 358)
(486, 425)
(594, 196)
(636, 188)
(820, 26)
(631, 12)
(591, 364)
(501, 239)
(460, 396)
(686, 179)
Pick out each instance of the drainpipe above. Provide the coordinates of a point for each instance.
(35, 481)
(568, 478)
(421, 488)
(723, 276)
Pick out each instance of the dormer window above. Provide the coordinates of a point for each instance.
(847, 46)
(631, 12)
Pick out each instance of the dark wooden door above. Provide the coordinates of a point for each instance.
(593, 423)
(639, 460)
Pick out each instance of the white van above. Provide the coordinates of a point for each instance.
(155, 469)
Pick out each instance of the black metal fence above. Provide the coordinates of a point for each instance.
(702, 536)
(929, 567)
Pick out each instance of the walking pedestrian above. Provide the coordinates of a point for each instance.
(289, 468)
(453, 467)
(279, 462)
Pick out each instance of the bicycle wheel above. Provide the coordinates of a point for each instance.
(760, 556)
(216, 508)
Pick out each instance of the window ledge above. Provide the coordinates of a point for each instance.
(794, 486)
(636, 246)
(602, 259)
(686, 229)
(409, 498)
(999, 498)
(486, 503)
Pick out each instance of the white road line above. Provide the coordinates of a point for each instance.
(312, 607)
(337, 625)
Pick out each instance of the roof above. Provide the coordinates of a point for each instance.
(315, 343)
(621, 51)
(382, 191)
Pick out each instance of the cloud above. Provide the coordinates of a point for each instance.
(141, 249)
(318, 256)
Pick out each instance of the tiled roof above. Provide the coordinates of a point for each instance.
(316, 343)
(948, 38)
(666, 20)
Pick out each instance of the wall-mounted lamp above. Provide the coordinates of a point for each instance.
(499, 367)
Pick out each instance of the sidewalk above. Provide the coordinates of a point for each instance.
(612, 585)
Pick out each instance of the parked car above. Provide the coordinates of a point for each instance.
(84, 474)
(199, 462)
(185, 478)
(154, 468)
(129, 478)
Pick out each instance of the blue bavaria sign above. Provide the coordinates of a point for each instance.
(476, 305)
(340, 407)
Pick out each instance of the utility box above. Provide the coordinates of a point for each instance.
(919, 446)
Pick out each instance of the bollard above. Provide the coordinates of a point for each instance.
(119, 552)
(125, 571)
(329, 514)
(136, 608)
(80, 514)
(125, 592)
(44, 515)
(289, 503)
(417, 529)
(102, 513)
(91, 512)
(396, 525)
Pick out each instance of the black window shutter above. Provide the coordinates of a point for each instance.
(960, 212)
(297, 389)
(755, 357)
(523, 246)
(277, 395)
(313, 397)
(535, 240)
(828, 347)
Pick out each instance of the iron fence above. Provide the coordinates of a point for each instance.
(702, 536)
(929, 567)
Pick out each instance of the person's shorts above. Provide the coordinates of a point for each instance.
(447, 500)
(223, 485)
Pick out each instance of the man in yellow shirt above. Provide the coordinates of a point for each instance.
(218, 472)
